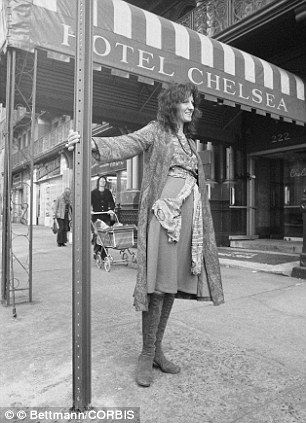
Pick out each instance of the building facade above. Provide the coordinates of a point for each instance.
(261, 171)
(254, 163)
(52, 162)
(52, 169)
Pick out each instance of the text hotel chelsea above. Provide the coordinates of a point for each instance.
(128, 55)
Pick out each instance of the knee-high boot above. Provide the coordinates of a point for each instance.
(159, 358)
(150, 322)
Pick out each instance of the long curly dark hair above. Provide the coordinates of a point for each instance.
(168, 100)
(98, 181)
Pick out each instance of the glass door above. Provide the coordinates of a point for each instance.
(276, 199)
(269, 206)
(294, 171)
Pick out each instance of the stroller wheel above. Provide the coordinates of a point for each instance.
(124, 256)
(99, 261)
(107, 264)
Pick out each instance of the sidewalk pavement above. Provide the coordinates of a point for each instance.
(242, 362)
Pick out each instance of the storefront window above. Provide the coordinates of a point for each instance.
(121, 185)
(294, 180)
(112, 186)
(237, 191)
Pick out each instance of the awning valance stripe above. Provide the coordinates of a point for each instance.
(267, 74)
(182, 41)
(207, 51)
(183, 44)
(229, 60)
(154, 31)
(285, 82)
(136, 41)
(122, 19)
(300, 88)
(249, 66)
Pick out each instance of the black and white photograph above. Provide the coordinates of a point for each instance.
(153, 211)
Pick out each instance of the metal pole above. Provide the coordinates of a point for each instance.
(81, 211)
(300, 271)
(4, 214)
(33, 121)
(6, 223)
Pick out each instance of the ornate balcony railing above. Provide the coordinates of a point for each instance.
(43, 145)
(213, 16)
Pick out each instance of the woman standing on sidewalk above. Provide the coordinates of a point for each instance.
(62, 213)
(102, 200)
(177, 253)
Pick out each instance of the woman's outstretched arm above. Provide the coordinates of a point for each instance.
(122, 147)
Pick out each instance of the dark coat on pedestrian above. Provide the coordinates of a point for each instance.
(155, 143)
(102, 201)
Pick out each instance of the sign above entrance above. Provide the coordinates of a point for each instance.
(135, 41)
(105, 168)
(49, 169)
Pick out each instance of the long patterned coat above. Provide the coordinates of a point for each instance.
(60, 208)
(153, 141)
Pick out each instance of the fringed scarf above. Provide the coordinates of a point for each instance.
(168, 213)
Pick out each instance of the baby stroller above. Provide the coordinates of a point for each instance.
(117, 237)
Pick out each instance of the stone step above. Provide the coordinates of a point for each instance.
(289, 247)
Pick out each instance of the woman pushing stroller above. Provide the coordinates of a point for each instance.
(102, 200)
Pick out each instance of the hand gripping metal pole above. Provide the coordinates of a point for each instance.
(81, 211)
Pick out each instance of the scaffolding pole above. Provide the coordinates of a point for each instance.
(33, 121)
(6, 222)
(81, 325)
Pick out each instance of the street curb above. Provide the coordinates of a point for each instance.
(281, 269)
(284, 269)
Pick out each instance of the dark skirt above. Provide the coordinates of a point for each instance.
(63, 228)
(169, 264)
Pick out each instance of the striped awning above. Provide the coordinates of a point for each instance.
(133, 41)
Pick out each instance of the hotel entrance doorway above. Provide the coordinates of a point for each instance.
(280, 182)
